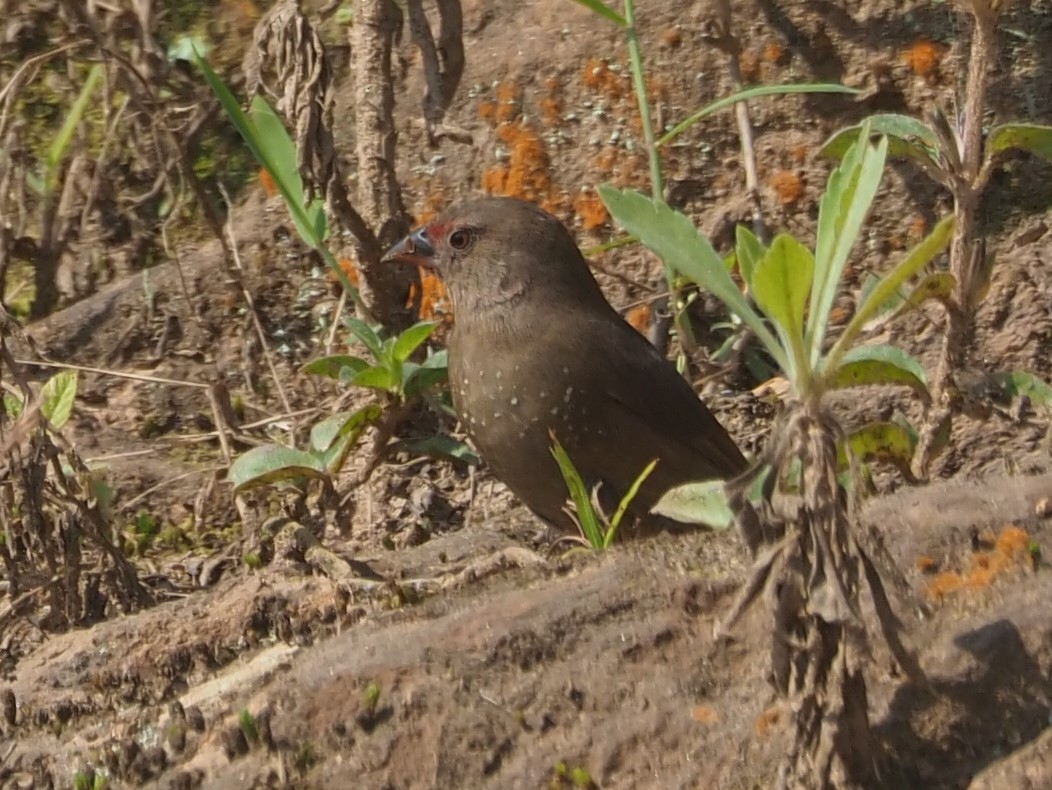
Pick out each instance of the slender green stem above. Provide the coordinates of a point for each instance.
(657, 180)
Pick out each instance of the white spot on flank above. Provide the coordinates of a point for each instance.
(514, 401)
(544, 394)
(555, 411)
(498, 374)
(566, 371)
(566, 397)
(497, 415)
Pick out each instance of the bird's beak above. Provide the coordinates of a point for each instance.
(415, 249)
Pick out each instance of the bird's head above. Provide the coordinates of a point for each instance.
(495, 252)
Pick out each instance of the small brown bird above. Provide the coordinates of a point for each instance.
(536, 348)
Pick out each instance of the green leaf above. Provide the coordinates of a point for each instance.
(283, 165)
(908, 137)
(745, 95)
(579, 495)
(417, 378)
(1016, 384)
(780, 285)
(880, 441)
(56, 152)
(333, 367)
(749, 250)
(626, 502)
(12, 406)
(439, 446)
(367, 335)
(875, 365)
(376, 378)
(1029, 137)
(273, 463)
(605, 11)
(938, 286)
(697, 503)
(57, 396)
(332, 438)
(889, 285)
(275, 161)
(842, 210)
(677, 242)
(411, 339)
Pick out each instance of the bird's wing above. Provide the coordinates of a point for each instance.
(647, 397)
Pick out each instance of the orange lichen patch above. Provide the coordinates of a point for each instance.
(767, 721)
(559, 206)
(348, 267)
(671, 38)
(657, 88)
(926, 564)
(488, 112)
(799, 153)
(787, 185)
(591, 210)
(266, 180)
(434, 203)
(509, 101)
(1008, 550)
(434, 298)
(527, 174)
(703, 714)
(773, 51)
(749, 63)
(918, 229)
(945, 583)
(923, 58)
(494, 179)
(1014, 544)
(551, 110)
(605, 160)
(639, 318)
(602, 79)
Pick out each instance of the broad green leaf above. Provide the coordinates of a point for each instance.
(907, 137)
(367, 335)
(411, 339)
(874, 365)
(376, 378)
(283, 165)
(417, 378)
(1029, 137)
(843, 208)
(324, 433)
(870, 282)
(915, 260)
(880, 441)
(439, 446)
(1019, 383)
(677, 242)
(579, 494)
(780, 285)
(697, 503)
(605, 11)
(57, 396)
(334, 440)
(333, 366)
(749, 250)
(273, 463)
(745, 95)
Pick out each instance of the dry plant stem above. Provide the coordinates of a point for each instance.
(379, 200)
(444, 63)
(966, 254)
(807, 558)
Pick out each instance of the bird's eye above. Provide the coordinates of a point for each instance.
(460, 240)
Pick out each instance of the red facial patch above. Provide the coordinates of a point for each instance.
(436, 231)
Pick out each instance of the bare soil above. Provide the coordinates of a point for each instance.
(499, 664)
